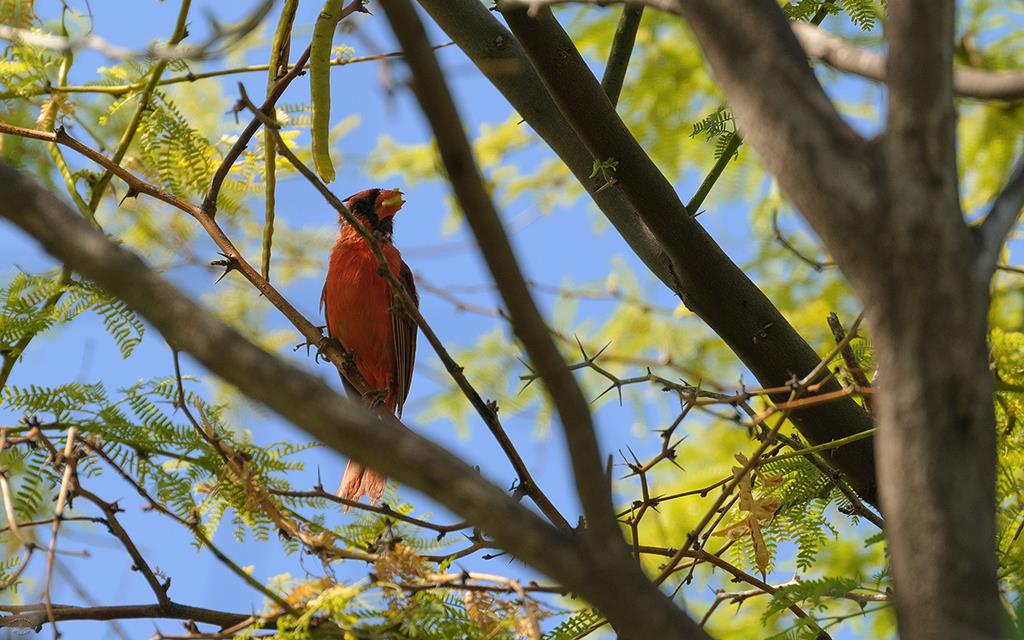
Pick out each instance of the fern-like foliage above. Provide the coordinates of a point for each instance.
(180, 155)
(805, 9)
(25, 70)
(574, 626)
(861, 12)
(811, 595)
(143, 433)
(31, 304)
(717, 127)
(805, 496)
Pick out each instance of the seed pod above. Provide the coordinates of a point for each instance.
(320, 86)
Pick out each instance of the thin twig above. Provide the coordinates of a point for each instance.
(330, 350)
(487, 411)
(138, 560)
(621, 51)
(66, 486)
(209, 206)
(122, 89)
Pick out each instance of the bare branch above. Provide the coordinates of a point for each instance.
(313, 406)
(634, 605)
(273, 95)
(190, 77)
(66, 485)
(621, 51)
(138, 560)
(432, 91)
(164, 53)
(968, 82)
(31, 616)
(706, 279)
(1001, 218)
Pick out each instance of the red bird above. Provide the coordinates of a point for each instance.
(362, 313)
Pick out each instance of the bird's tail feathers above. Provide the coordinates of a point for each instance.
(360, 481)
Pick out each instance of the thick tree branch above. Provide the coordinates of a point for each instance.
(842, 55)
(593, 486)
(935, 405)
(340, 424)
(708, 282)
(33, 615)
(487, 411)
(968, 82)
(919, 140)
(1001, 218)
(500, 58)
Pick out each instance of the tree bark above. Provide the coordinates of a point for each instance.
(936, 441)
(628, 599)
(888, 211)
(648, 213)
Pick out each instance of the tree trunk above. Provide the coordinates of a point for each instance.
(936, 444)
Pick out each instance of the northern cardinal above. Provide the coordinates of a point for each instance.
(361, 313)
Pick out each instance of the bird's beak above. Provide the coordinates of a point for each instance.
(396, 201)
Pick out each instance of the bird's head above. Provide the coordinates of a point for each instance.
(376, 208)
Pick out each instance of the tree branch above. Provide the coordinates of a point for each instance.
(621, 51)
(33, 615)
(273, 95)
(431, 89)
(919, 143)
(645, 612)
(340, 424)
(708, 282)
(1001, 218)
(138, 560)
(968, 82)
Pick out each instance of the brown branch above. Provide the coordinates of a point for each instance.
(69, 459)
(968, 82)
(431, 89)
(210, 200)
(192, 524)
(138, 560)
(849, 357)
(320, 494)
(190, 77)
(1002, 216)
(708, 282)
(739, 574)
(239, 471)
(817, 265)
(32, 616)
(308, 402)
(125, 142)
(488, 411)
(330, 350)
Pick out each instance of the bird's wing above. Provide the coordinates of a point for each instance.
(323, 308)
(403, 328)
(350, 389)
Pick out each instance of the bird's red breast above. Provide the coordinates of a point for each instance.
(358, 303)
